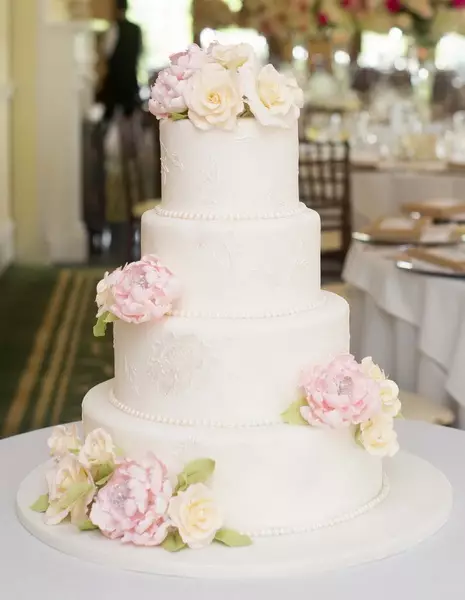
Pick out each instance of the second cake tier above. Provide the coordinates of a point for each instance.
(239, 268)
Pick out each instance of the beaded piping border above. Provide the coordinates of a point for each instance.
(382, 495)
(177, 214)
(191, 314)
(138, 414)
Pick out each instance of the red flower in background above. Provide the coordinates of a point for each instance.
(393, 6)
(458, 3)
(323, 20)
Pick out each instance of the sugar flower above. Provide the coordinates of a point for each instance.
(273, 98)
(70, 491)
(196, 515)
(97, 449)
(378, 436)
(64, 440)
(213, 98)
(339, 394)
(133, 505)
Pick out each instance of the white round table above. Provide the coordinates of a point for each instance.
(432, 570)
(412, 325)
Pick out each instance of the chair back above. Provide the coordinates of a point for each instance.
(324, 185)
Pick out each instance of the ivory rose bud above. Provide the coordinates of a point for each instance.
(378, 436)
(196, 515)
(232, 56)
(64, 440)
(213, 98)
(70, 491)
(98, 449)
(273, 98)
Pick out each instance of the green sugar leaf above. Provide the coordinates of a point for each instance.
(292, 415)
(232, 538)
(41, 504)
(102, 473)
(100, 326)
(178, 116)
(74, 493)
(87, 526)
(173, 542)
(198, 471)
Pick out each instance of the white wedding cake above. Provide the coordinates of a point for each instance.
(236, 413)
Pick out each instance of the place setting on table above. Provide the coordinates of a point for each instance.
(429, 238)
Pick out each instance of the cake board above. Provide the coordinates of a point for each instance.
(418, 504)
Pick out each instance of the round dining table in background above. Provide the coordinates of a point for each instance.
(381, 192)
(412, 325)
(433, 569)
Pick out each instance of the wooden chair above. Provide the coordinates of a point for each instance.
(132, 171)
(324, 184)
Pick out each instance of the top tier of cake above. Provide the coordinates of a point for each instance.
(250, 172)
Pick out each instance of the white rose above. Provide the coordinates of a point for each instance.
(70, 491)
(390, 398)
(98, 449)
(232, 56)
(273, 98)
(372, 370)
(196, 515)
(64, 439)
(213, 98)
(104, 297)
(378, 436)
(389, 391)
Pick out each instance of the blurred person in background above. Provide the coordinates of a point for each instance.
(122, 48)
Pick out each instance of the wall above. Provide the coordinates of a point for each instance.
(45, 136)
(6, 223)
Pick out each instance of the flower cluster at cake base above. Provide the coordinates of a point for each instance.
(215, 87)
(140, 291)
(136, 502)
(345, 393)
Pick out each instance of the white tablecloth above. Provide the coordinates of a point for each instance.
(413, 325)
(382, 192)
(432, 570)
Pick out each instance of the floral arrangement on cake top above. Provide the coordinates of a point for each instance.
(345, 393)
(91, 485)
(140, 291)
(214, 88)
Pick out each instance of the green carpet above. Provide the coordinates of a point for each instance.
(49, 358)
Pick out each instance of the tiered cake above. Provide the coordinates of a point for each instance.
(236, 414)
(213, 378)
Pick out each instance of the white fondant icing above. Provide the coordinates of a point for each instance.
(230, 372)
(251, 169)
(239, 267)
(266, 479)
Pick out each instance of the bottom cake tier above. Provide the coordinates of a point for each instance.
(269, 480)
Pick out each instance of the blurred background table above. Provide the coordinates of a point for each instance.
(380, 192)
(413, 325)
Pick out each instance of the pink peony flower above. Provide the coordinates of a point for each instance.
(144, 290)
(340, 394)
(167, 94)
(184, 64)
(133, 505)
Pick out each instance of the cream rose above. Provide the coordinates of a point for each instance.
(378, 436)
(273, 98)
(70, 491)
(98, 449)
(390, 398)
(64, 439)
(389, 390)
(232, 56)
(213, 98)
(196, 515)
